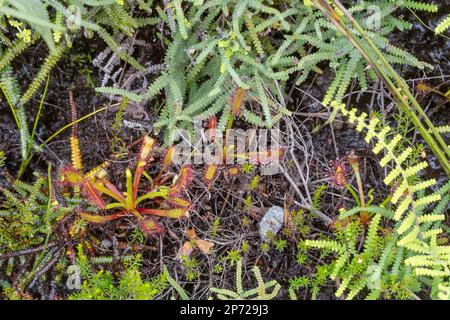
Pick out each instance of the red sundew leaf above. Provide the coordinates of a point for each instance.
(167, 159)
(71, 176)
(179, 202)
(168, 213)
(338, 174)
(94, 218)
(212, 126)
(150, 226)
(237, 100)
(92, 194)
(137, 178)
(147, 147)
(210, 173)
(183, 180)
(114, 190)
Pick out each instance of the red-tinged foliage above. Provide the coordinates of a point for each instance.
(94, 186)
(168, 213)
(168, 158)
(93, 194)
(210, 173)
(184, 179)
(179, 202)
(212, 126)
(72, 177)
(237, 101)
(95, 218)
(111, 187)
(338, 174)
(150, 226)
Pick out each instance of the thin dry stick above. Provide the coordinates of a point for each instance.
(305, 205)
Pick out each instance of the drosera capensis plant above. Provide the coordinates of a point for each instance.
(94, 185)
(339, 178)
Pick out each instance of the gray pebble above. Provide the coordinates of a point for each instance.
(106, 243)
(271, 222)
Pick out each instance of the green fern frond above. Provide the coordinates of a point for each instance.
(51, 60)
(258, 293)
(443, 25)
(14, 50)
(420, 6)
(417, 228)
(183, 294)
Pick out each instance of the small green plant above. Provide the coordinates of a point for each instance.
(280, 244)
(59, 23)
(299, 223)
(299, 283)
(234, 72)
(264, 247)
(218, 268)
(368, 47)
(245, 246)
(215, 227)
(191, 266)
(102, 285)
(28, 214)
(117, 144)
(258, 293)
(234, 256)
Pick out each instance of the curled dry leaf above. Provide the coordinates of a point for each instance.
(189, 246)
(204, 245)
(185, 251)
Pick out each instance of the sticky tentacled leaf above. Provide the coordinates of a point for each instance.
(150, 226)
(237, 101)
(183, 180)
(94, 218)
(210, 173)
(168, 213)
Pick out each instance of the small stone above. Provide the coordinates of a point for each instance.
(271, 222)
(106, 243)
